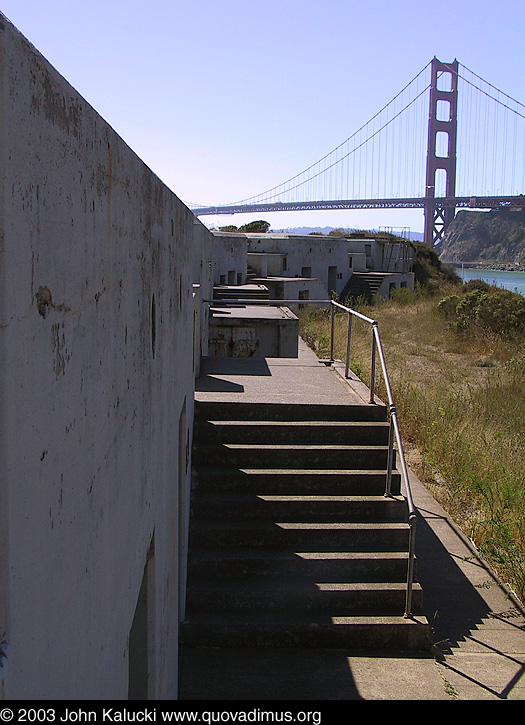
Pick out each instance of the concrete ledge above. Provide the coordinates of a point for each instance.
(253, 332)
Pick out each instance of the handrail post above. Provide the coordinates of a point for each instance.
(411, 561)
(348, 336)
(390, 460)
(373, 364)
(332, 325)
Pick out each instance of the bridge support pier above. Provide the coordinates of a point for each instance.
(441, 149)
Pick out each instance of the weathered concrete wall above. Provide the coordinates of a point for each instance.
(293, 288)
(268, 265)
(96, 323)
(229, 258)
(396, 281)
(203, 265)
(357, 261)
(254, 332)
(330, 259)
(325, 258)
(387, 256)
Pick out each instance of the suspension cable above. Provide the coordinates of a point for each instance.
(268, 194)
(334, 163)
(491, 86)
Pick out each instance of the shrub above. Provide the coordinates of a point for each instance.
(502, 312)
(447, 307)
(429, 271)
(474, 284)
(486, 308)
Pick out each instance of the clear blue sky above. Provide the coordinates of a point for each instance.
(223, 99)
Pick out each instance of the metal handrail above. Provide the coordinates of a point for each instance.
(394, 424)
(394, 432)
(264, 301)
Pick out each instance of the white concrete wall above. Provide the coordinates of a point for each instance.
(365, 255)
(96, 323)
(320, 253)
(268, 265)
(357, 261)
(385, 256)
(396, 281)
(229, 258)
(203, 265)
(317, 253)
(293, 288)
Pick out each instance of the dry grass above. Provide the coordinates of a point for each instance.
(461, 404)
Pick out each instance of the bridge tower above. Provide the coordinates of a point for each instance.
(441, 150)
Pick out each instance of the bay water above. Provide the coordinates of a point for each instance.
(513, 281)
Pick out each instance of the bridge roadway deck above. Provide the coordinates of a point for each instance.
(479, 630)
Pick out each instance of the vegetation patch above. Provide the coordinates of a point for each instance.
(257, 227)
(456, 360)
(484, 308)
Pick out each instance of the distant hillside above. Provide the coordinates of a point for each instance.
(429, 269)
(489, 238)
(305, 230)
(414, 236)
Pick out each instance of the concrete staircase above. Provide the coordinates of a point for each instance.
(251, 273)
(363, 284)
(292, 541)
(241, 292)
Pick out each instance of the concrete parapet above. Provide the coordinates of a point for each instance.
(96, 344)
(253, 331)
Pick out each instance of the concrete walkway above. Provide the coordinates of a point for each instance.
(479, 630)
(275, 380)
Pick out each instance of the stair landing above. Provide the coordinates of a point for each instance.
(276, 380)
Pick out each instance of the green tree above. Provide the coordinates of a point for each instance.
(257, 227)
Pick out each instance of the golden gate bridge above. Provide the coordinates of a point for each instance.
(448, 140)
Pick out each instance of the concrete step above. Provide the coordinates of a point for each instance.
(292, 540)
(322, 566)
(279, 431)
(363, 283)
(221, 507)
(302, 537)
(334, 598)
(294, 480)
(296, 456)
(226, 410)
(241, 292)
(380, 632)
